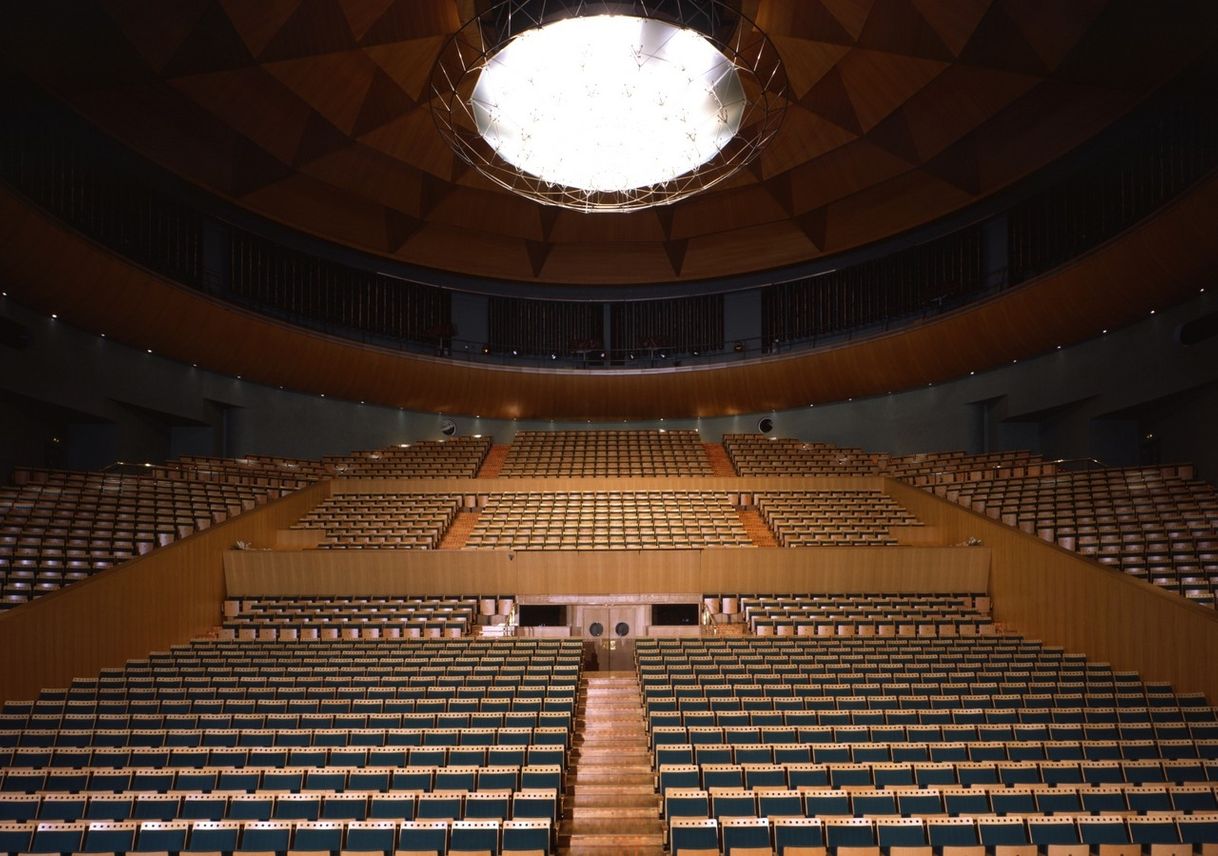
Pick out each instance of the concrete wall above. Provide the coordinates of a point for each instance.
(1101, 398)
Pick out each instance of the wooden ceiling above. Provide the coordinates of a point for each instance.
(314, 113)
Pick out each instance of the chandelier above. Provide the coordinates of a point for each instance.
(608, 106)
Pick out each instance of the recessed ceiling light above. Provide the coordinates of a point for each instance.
(149, 350)
(1104, 331)
(54, 316)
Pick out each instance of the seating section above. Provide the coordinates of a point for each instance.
(832, 518)
(404, 521)
(426, 459)
(947, 467)
(857, 615)
(608, 520)
(606, 454)
(759, 455)
(842, 741)
(292, 473)
(368, 745)
(57, 527)
(1155, 523)
(310, 619)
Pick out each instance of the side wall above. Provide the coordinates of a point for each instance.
(147, 604)
(1095, 399)
(1052, 594)
(643, 572)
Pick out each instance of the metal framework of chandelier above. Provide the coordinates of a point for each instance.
(608, 106)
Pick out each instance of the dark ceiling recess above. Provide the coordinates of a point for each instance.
(509, 18)
(1199, 329)
(14, 335)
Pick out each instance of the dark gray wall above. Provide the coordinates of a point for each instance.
(108, 402)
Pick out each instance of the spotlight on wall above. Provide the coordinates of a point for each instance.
(486, 349)
(738, 347)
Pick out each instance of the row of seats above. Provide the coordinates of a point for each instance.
(928, 468)
(58, 527)
(679, 785)
(1169, 834)
(606, 454)
(608, 521)
(206, 780)
(378, 836)
(832, 518)
(759, 455)
(1154, 523)
(499, 796)
(400, 520)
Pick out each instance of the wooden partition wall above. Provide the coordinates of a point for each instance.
(1058, 596)
(718, 484)
(147, 604)
(523, 573)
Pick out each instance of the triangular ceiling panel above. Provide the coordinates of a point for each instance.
(319, 139)
(362, 14)
(384, 101)
(998, 43)
(333, 84)
(852, 14)
(254, 104)
(157, 29)
(316, 27)
(879, 83)
(212, 45)
(1053, 28)
(406, 20)
(830, 100)
(954, 20)
(257, 22)
(897, 26)
(409, 64)
(807, 62)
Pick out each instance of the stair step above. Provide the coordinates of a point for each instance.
(645, 812)
(614, 827)
(589, 798)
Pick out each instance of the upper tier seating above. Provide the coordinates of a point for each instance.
(947, 467)
(603, 520)
(606, 454)
(57, 527)
(861, 615)
(1155, 523)
(759, 455)
(396, 520)
(426, 459)
(920, 741)
(376, 746)
(832, 518)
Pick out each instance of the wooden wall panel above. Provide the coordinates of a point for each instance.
(154, 601)
(1158, 262)
(1055, 595)
(609, 572)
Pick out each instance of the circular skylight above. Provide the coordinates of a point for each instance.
(608, 103)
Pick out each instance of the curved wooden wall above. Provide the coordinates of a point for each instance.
(1155, 264)
(1058, 596)
(147, 604)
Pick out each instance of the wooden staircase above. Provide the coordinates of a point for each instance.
(492, 464)
(721, 464)
(458, 530)
(611, 804)
(758, 530)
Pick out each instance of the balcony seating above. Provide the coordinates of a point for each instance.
(606, 454)
(608, 520)
(400, 521)
(832, 518)
(292, 618)
(1154, 523)
(57, 527)
(759, 455)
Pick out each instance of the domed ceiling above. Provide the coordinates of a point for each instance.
(314, 113)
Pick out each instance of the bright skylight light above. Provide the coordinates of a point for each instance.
(608, 102)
